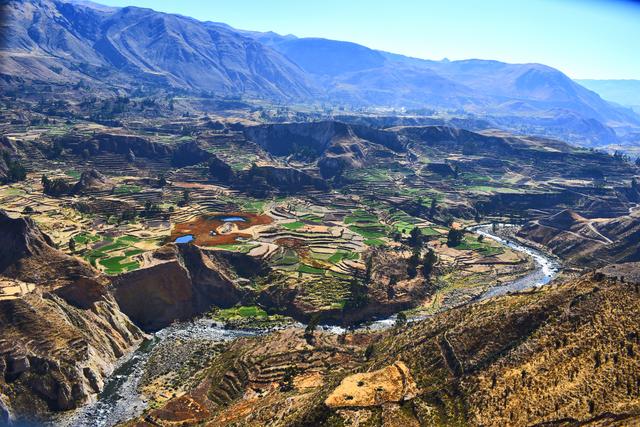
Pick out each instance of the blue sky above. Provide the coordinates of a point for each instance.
(583, 38)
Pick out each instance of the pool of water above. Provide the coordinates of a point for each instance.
(231, 219)
(184, 239)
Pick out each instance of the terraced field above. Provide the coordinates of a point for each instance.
(114, 255)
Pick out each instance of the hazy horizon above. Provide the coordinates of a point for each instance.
(580, 33)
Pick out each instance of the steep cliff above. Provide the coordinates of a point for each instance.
(179, 282)
(59, 337)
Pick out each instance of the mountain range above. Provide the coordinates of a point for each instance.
(65, 42)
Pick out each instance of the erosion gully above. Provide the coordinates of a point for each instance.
(120, 399)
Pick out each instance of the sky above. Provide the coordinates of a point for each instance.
(597, 39)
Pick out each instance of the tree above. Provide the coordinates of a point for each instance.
(358, 295)
(368, 352)
(287, 379)
(448, 220)
(391, 287)
(434, 208)
(401, 320)
(131, 157)
(310, 329)
(454, 238)
(15, 171)
(415, 238)
(456, 171)
(428, 262)
(412, 264)
(186, 198)
(368, 263)
(72, 245)
(481, 238)
(162, 181)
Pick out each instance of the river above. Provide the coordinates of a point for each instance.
(546, 267)
(120, 399)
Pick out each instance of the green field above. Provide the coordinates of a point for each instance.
(127, 189)
(293, 225)
(310, 270)
(73, 174)
(114, 255)
(472, 244)
(340, 255)
(243, 311)
(115, 265)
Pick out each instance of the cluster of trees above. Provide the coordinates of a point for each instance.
(150, 210)
(358, 294)
(55, 187)
(51, 107)
(422, 208)
(15, 170)
(426, 263)
(54, 151)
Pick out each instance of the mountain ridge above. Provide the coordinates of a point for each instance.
(66, 42)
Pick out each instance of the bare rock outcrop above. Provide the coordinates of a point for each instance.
(92, 180)
(390, 384)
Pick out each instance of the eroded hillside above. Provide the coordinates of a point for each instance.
(61, 331)
(566, 354)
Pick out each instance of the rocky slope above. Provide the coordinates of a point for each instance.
(55, 41)
(61, 337)
(587, 242)
(566, 354)
(334, 145)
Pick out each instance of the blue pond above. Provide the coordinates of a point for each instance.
(231, 219)
(184, 239)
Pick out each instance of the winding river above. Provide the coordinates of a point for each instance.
(120, 400)
(546, 267)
